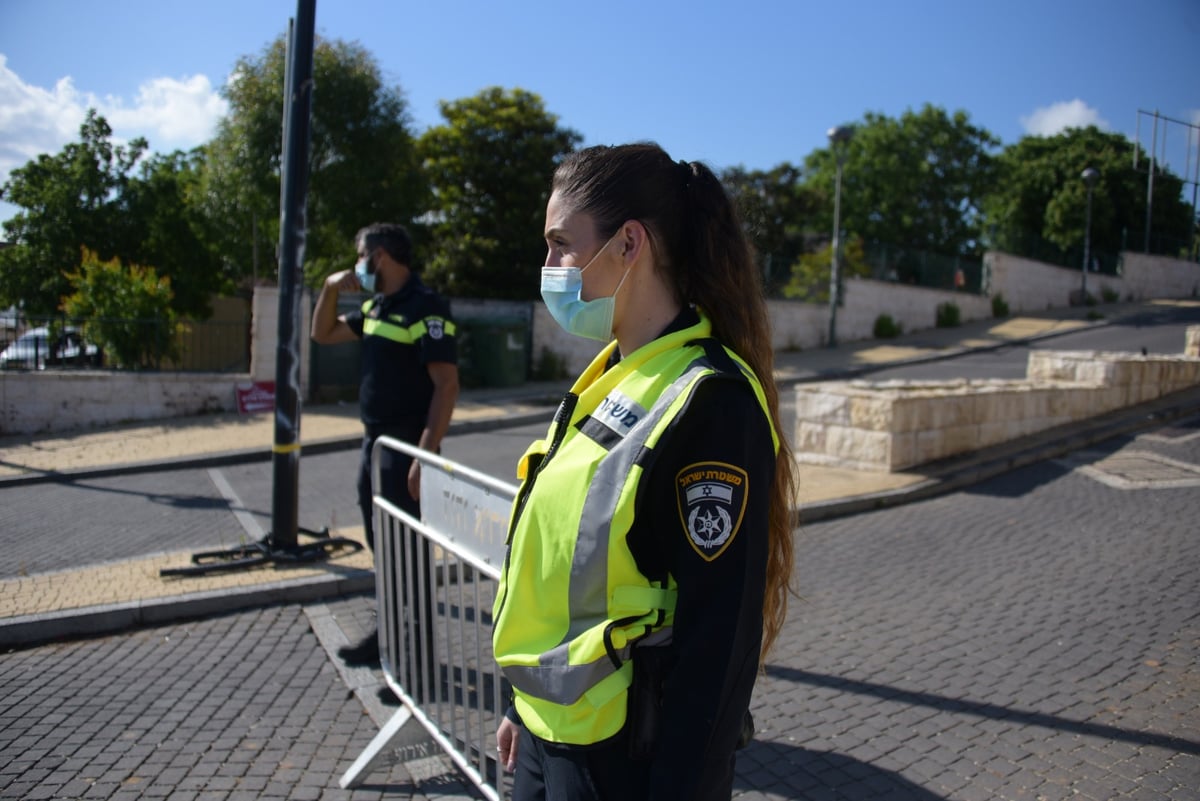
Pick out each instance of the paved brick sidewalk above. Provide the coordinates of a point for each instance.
(1036, 636)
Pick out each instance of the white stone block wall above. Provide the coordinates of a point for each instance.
(1147, 277)
(896, 425)
(1028, 285)
(53, 401)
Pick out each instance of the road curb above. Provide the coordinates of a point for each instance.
(25, 630)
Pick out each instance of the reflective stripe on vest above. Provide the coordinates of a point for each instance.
(605, 615)
(397, 329)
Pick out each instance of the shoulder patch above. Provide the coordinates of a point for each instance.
(712, 500)
(436, 327)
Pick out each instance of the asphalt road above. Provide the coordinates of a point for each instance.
(122, 517)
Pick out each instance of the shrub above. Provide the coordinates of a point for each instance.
(999, 306)
(1109, 295)
(128, 309)
(886, 327)
(948, 315)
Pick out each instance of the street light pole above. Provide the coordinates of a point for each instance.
(1089, 176)
(838, 137)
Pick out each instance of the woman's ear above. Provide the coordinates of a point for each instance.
(635, 241)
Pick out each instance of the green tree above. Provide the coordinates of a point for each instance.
(362, 164)
(128, 310)
(166, 229)
(489, 168)
(1038, 206)
(914, 182)
(777, 210)
(67, 201)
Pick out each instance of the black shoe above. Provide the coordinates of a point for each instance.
(364, 654)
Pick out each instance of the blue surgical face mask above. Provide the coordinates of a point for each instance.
(367, 279)
(561, 289)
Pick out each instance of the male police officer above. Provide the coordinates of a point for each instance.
(409, 380)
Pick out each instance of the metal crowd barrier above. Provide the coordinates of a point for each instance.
(435, 580)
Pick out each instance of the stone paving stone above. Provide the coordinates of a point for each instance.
(242, 663)
(1021, 610)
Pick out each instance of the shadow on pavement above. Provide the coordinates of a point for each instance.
(819, 774)
(984, 709)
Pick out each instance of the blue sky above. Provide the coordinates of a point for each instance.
(753, 82)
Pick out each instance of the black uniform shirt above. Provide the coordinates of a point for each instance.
(718, 615)
(395, 387)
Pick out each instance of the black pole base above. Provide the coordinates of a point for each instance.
(263, 552)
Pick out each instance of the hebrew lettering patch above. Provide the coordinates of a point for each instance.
(712, 500)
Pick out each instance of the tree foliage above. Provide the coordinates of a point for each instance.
(777, 210)
(916, 182)
(127, 308)
(362, 163)
(166, 229)
(1038, 206)
(68, 201)
(489, 168)
(809, 275)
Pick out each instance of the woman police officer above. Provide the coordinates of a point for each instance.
(649, 551)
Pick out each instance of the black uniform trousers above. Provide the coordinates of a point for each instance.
(393, 478)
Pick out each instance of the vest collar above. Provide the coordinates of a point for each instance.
(597, 380)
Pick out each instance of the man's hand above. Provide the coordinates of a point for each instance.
(344, 281)
(414, 480)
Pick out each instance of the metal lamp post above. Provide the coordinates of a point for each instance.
(1089, 176)
(838, 137)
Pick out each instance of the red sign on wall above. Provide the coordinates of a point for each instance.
(258, 396)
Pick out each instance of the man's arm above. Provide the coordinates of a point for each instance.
(327, 327)
(437, 422)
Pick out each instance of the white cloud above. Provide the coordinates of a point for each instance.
(34, 120)
(1058, 117)
(171, 113)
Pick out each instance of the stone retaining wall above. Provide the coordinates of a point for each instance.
(896, 425)
(67, 400)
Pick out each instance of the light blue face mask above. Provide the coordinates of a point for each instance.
(561, 289)
(365, 278)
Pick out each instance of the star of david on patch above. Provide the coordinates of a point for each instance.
(712, 500)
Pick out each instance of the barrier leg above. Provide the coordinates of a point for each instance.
(377, 751)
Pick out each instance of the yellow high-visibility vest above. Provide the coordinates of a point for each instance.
(571, 602)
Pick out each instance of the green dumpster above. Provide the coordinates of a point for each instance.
(492, 352)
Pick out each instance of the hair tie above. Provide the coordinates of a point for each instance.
(687, 172)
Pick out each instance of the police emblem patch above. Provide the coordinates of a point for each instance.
(435, 326)
(712, 499)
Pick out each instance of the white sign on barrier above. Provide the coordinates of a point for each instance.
(473, 515)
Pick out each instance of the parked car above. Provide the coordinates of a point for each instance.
(34, 350)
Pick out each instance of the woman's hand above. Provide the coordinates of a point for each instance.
(506, 744)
